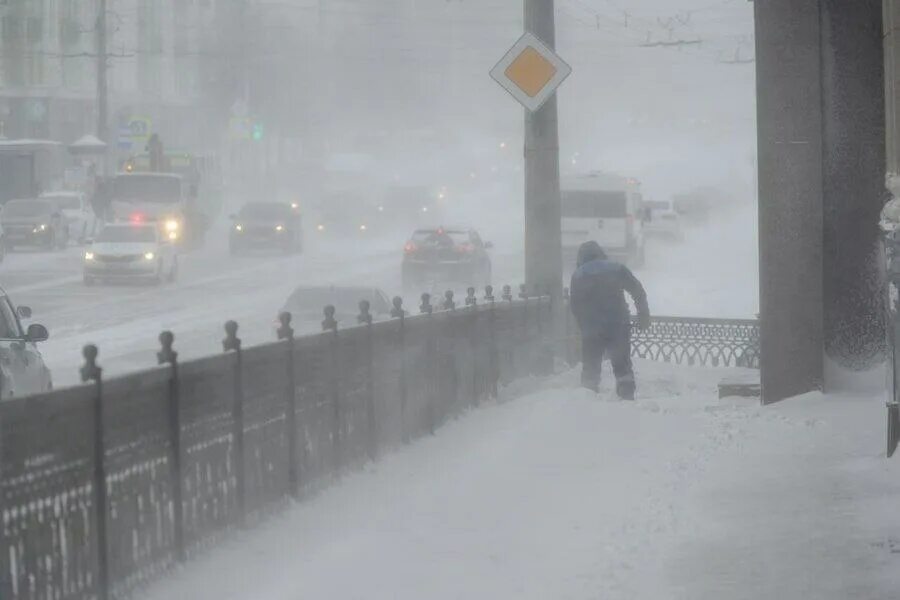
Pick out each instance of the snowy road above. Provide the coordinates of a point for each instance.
(124, 320)
(559, 494)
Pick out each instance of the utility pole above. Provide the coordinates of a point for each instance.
(102, 73)
(543, 235)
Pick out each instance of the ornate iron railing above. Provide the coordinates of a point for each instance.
(686, 341)
(693, 341)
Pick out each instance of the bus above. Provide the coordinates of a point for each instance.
(29, 168)
(607, 209)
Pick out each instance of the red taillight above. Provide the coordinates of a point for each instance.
(465, 248)
(409, 247)
(137, 218)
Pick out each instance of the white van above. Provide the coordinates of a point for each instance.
(607, 209)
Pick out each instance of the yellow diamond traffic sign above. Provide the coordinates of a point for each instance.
(530, 72)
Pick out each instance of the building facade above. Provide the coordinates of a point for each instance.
(49, 63)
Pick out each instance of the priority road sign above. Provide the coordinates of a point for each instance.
(531, 72)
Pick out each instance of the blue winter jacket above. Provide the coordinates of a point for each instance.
(598, 292)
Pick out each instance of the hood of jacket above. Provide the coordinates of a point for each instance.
(588, 252)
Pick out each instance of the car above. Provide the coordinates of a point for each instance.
(662, 221)
(266, 225)
(33, 223)
(22, 368)
(446, 255)
(307, 303)
(344, 214)
(130, 251)
(77, 212)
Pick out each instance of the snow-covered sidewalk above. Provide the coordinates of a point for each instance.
(559, 494)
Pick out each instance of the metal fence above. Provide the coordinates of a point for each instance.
(107, 485)
(686, 341)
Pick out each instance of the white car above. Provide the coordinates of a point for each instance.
(662, 221)
(22, 368)
(77, 212)
(130, 251)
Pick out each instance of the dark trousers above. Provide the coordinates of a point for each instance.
(616, 345)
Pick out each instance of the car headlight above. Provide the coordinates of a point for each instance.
(149, 256)
(173, 235)
(363, 228)
(172, 225)
(320, 227)
(88, 256)
(238, 227)
(279, 228)
(295, 205)
(41, 227)
(424, 209)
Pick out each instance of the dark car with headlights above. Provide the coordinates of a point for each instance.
(446, 255)
(33, 223)
(341, 215)
(266, 225)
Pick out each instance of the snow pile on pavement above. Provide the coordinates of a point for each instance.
(561, 493)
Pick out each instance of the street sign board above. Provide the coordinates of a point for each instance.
(134, 135)
(531, 72)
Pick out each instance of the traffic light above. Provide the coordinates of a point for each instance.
(258, 132)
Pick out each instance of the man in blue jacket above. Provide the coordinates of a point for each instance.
(598, 303)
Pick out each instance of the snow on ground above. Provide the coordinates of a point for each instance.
(559, 493)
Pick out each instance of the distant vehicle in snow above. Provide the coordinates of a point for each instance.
(130, 251)
(77, 212)
(606, 209)
(345, 215)
(159, 198)
(409, 205)
(266, 225)
(33, 223)
(445, 255)
(307, 303)
(662, 221)
(22, 368)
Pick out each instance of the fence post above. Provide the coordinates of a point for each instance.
(91, 372)
(329, 323)
(365, 318)
(232, 343)
(168, 356)
(449, 304)
(493, 360)
(286, 333)
(472, 304)
(398, 313)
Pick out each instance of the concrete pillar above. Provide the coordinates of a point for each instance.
(821, 163)
(789, 115)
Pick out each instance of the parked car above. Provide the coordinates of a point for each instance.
(130, 251)
(306, 303)
(22, 368)
(443, 255)
(33, 223)
(266, 225)
(77, 212)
